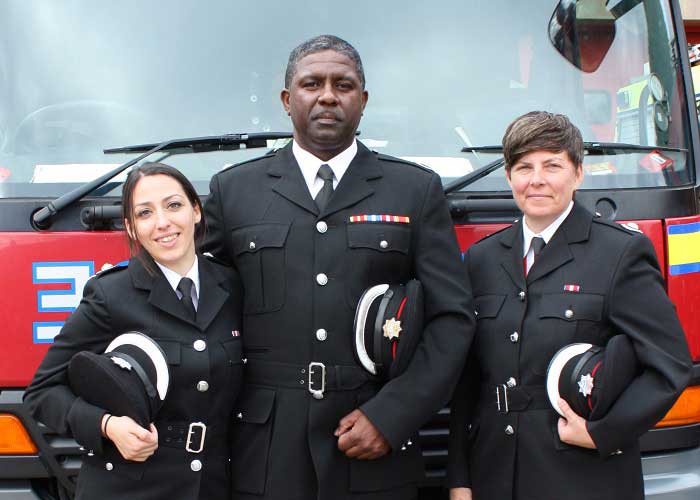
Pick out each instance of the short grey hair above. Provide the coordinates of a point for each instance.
(319, 44)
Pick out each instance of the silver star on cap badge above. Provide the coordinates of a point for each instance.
(585, 385)
(392, 328)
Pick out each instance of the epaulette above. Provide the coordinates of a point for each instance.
(495, 233)
(625, 227)
(215, 260)
(383, 157)
(108, 268)
(269, 154)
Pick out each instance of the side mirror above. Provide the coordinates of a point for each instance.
(582, 31)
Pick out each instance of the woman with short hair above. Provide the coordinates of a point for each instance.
(558, 276)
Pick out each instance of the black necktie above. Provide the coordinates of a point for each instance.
(537, 244)
(325, 173)
(185, 288)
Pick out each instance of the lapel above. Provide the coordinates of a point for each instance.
(353, 187)
(290, 183)
(212, 292)
(163, 297)
(575, 229)
(512, 239)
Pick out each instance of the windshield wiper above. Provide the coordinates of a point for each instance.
(474, 175)
(225, 142)
(590, 148)
(42, 218)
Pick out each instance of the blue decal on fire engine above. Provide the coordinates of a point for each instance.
(44, 332)
(75, 274)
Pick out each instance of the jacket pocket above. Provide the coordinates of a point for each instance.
(376, 253)
(259, 252)
(382, 237)
(171, 350)
(572, 306)
(488, 306)
(252, 432)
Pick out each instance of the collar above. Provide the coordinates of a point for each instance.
(309, 165)
(547, 232)
(174, 278)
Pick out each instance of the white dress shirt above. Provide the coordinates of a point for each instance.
(546, 235)
(174, 280)
(309, 165)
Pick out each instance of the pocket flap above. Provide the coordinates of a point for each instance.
(258, 236)
(487, 306)
(572, 306)
(171, 350)
(255, 404)
(233, 349)
(384, 237)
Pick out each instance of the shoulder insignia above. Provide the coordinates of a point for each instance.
(252, 160)
(108, 268)
(626, 227)
(216, 260)
(631, 226)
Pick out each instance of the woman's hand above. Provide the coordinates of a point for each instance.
(572, 428)
(460, 494)
(133, 441)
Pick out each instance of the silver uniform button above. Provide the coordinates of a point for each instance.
(199, 345)
(109, 466)
(521, 295)
(196, 465)
(509, 430)
(321, 227)
(569, 314)
(202, 386)
(384, 244)
(514, 337)
(239, 416)
(321, 279)
(321, 334)
(511, 383)
(251, 245)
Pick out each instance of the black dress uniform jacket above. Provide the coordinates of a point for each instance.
(127, 299)
(522, 322)
(303, 273)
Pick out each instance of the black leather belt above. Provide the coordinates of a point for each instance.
(505, 399)
(193, 437)
(314, 377)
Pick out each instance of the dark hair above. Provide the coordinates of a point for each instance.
(541, 131)
(154, 168)
(319, 44)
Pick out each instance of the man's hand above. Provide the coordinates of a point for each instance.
(133, 441)
(359, 438)
(460, 494)
(572, 428)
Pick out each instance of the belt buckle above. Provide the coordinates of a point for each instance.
(317, 393)
(190, 433)
(502, 391)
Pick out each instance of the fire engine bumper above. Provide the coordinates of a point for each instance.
(671, 476)
(17, 490)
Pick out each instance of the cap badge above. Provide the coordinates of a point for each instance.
(392, 328)
(121, 363)
(585, 385)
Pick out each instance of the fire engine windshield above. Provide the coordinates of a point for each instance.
(79, 76)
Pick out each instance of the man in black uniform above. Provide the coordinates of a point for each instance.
(309, 228)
